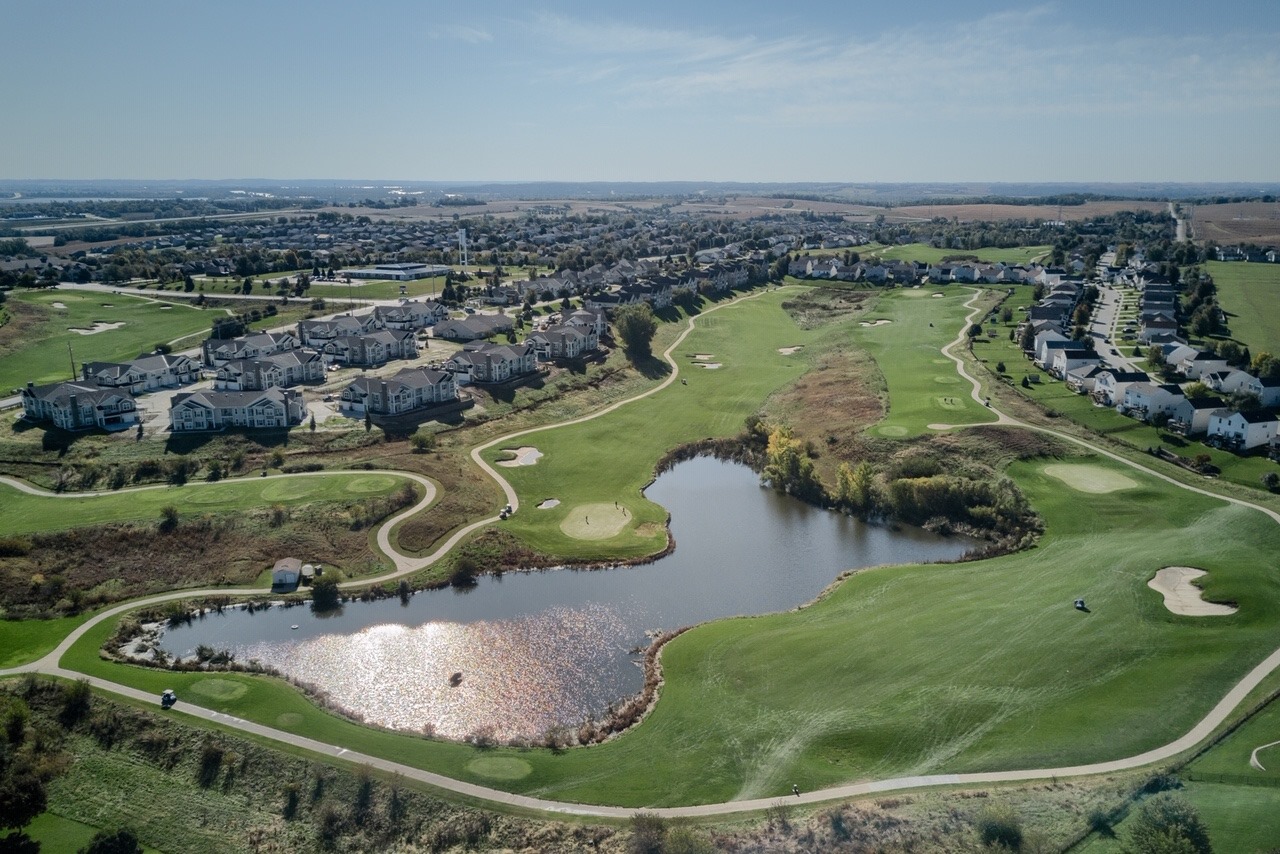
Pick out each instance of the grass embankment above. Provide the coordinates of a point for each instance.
(32, 514)
(1248, 293)
(33, 345)
(26, 640)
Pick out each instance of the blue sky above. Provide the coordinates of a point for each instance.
(1074, 90)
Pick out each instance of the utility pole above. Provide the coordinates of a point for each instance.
(73, 362)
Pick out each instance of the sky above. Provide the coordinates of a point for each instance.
(699, 90)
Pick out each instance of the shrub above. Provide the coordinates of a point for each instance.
(1000, 826)
(1167, 822)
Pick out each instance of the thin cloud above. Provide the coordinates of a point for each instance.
(459, 32)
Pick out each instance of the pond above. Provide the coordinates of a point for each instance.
(537, 650)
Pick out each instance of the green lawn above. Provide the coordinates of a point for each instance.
(58, 834)
(26, 640)
(932, 255)
(1250, 295)
(42, 356)
(29, 514)
(924, 387)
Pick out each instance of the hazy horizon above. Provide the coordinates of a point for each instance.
(577, 91)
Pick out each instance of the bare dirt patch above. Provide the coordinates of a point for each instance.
(595, 521)
(1181, 596)
(98, 326)
(525, 456)
(1088, 478)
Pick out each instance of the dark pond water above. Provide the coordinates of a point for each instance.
(541, 649)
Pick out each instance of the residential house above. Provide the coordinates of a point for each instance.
(408, 390)
(218, 410)
(1069, 359)
(317, 333)
(79, 406)
(593, 320)
(145, 373)
(1266, 389)
(473, 327)
(563, 342)
(492, 363)
(1242, 431)
(1191, 416)
(411, 315)
(1082, 380)
(219, 351)
(375, 348)
(1110, 385)
(1145, 401)
(277, 370)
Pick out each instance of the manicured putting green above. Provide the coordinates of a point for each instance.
(595, 521)
(371, 483)
(1088, 478)
(892, 430)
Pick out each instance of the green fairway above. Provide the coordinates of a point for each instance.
(932, 254)
(28, 514)
(1250, 295)
(40, 354)
(709, 403)
(924, 387)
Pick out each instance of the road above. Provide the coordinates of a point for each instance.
(50, 663)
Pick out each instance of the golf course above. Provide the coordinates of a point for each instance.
(897, 672)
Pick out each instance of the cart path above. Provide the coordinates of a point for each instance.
(49, 664)
(1253, 757)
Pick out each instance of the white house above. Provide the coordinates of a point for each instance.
(217, 410)
(1145, 401)
(1191, 417)
(1241, 431)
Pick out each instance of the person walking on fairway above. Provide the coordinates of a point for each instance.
(795, 790)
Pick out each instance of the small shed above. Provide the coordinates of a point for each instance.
(286, 572)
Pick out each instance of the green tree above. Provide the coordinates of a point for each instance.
(422, 442)
(788, 468)
(1166, 823)
(122, 840)
(636, 327)
(324, 593)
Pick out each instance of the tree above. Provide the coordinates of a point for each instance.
(1167, 823)
(1271, 481)
(1000, 367)
(168, 518)
(324, 594)
(636, 327)
(1197, 391)
(122, 840)
(422, 442)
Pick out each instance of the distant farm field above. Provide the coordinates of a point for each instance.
(42, 325)
(1250, 295)
(1237, 222)
(966, 213)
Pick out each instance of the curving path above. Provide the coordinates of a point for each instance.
(49, 664)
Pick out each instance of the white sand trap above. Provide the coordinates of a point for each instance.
(165, 307)
(58, 304)
(108, 305)
(787, 351)
(547, 504)
(1087, 478)
(98, 326)
(710, 366)
(880, 322)
(1183, 597)
(525, 456)
(937, 296)
(702, 357)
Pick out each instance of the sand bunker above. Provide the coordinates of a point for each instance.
(702, 357)
(1087, 478)
(549, 503)
(787, 351)
(1183, 597)
(525, 456)
(165, 307)
(58, 304)
(710, 366)
(108, 305)
(98, 326)
(880, 322)
(595, 521)
(937, 296)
